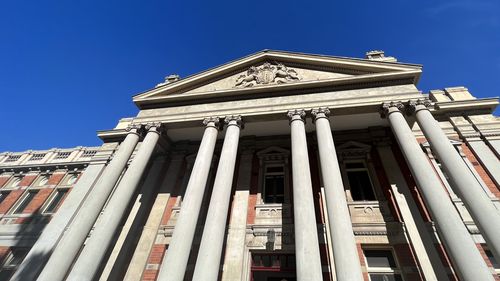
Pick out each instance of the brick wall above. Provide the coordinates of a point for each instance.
(55, 178)
(154, 261)
(10, 200)
(480, 170)
(3, 180)
(487, 260)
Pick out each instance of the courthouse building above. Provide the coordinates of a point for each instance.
(276, 166)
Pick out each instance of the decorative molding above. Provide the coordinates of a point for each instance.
(296, 114)
(321, 112)
(212, 122)
(384, 109)
(234, 120)
(267, 73)
(412, 105)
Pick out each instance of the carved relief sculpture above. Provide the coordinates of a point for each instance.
(267, 73)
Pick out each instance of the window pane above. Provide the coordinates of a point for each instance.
(385, 277)
(3, 195)
(5, 274)
(274, 188)
(361, 187)
(26, 200)
(380, 258)
(55, 202)
(493, 261)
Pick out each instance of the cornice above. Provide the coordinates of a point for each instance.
(480, 105)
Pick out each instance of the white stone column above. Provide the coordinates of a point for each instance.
(485, 214)
(308, 262)
(347, 266)
(458, 242)
(212, 241)
(90, 258)
(66, 251)
(174, 265)
(150, 230)
(40, 252)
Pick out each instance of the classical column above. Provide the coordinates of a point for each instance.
(212, 241)
(91, 256)
(174, 265)
(40, 252)
(485, 214)
(345, 252)
(308, 262)
(457, 240)
(65, 252)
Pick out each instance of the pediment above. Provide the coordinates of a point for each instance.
(271, 71)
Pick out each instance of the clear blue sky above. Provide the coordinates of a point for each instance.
(69, 68)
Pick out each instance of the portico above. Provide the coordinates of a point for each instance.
(297, 175)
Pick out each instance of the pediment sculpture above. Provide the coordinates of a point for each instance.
(267, 73)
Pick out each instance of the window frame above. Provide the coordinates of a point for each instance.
(51, 199)
(272, 157)
(347, 184)
(381, 270)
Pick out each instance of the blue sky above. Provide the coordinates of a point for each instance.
(69, 68)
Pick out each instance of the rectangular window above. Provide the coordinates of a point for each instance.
(359, 181)
(274, 184)
(3, 195)
(12, 261)
(56, 200)
(381, 265)
(25, 200)
(492, 259)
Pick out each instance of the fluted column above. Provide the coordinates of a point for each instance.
(92, 255)
(308, 262)
(174, 265)
(212, 241)
(464, 183)
(67, 249)
(457, 240)
(345, 253)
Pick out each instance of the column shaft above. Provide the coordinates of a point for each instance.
(485, 214)
(90, 258)
(212, 241)
(458, 242)
(308, 262)
(174, 265)
(347, 265)
(65, 252)
(40, 252)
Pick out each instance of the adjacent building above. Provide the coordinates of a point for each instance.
(276, 166)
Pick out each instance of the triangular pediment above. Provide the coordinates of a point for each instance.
(271, 71)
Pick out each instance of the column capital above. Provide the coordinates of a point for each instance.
(296, 114)
(233, 120)
(212, 121)
(321, 112)
(154, 127)
(416, 105)
(134, 128)
(390, 107)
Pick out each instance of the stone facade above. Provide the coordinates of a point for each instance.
(276, 166)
